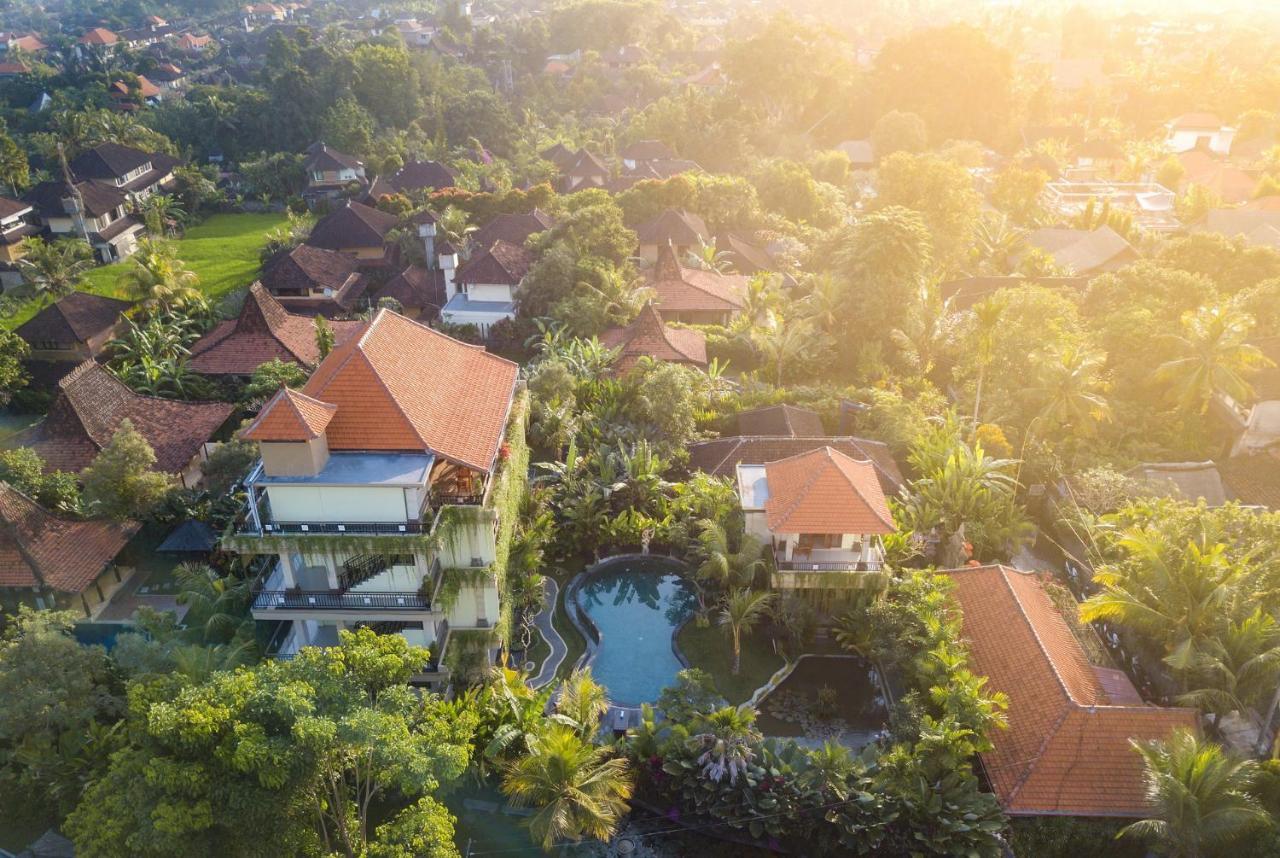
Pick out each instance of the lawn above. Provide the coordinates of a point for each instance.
(223, 251)
(709, 649)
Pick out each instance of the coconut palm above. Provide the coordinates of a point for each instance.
(723, 568)
(1215, 357)
(157, 275)
(725, 738)
(581, 702)
(825, 304)
(453, 225)
(996, 241)
(158, 212)
(741, 611)
(1238, 669)
(217, 605)
(786, 345)
(577, 789)
(1071, 390)
(706, 257)
(52, 270)
(926, 328)
(987, 316)
(1201, 797)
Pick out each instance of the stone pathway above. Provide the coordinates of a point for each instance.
(547, 629)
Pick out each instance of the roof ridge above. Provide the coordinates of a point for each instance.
(1022, 610)
(857, 490)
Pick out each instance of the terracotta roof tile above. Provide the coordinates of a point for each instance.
(825, 491)
(353, 225)
(263, 331)
(404, 386)
(75, 319)
(38, 547)
(673, 227)
(720, 457)
(291, 416)
(647, 336)
(512, 228)
(91, 405)
(677, 288)
(1066, 749)
(500, 263)
(781, 420)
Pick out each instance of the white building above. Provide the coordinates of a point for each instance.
(483, 291)
(1193, 130)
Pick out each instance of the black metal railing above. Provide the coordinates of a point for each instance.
(358, 528)
(313, 600)
(457, 499)
(829, 566)
(362, 567)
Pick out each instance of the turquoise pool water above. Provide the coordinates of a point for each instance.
(636, 605)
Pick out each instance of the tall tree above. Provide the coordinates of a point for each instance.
(1216, 357)
(52, 270)
(741, 611)
(120, 482)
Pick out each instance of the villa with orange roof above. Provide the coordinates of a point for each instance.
(1067, 749)
(374, 494)
(693, 295)
(823, 514)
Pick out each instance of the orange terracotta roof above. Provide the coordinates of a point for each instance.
(677, 288)
(291, 416)
(647, 336)
(99, 36)
(404, 386)
(825, 491)
(1066, 749)
(39, 548)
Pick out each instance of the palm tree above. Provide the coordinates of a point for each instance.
(1071, 389)
(741, 610)
(763, 297)
(157, 275)
(1238, 669)
(578, 790)
(158, 211)
(52, 270)
(986, 333)
(995, 243)
(1200, 794)
(1216, 357)
(217, 605)
(721, 566)
(785, 345)
(706, 257)
(581, 702)
(927, 327)
(725, 738)
(825, 304)
(454, 227)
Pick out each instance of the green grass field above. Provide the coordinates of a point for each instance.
(709, 649)
(223, 251)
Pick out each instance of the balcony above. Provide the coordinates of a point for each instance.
(830, 560)
(270, 594)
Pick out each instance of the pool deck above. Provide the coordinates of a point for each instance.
(546, 628)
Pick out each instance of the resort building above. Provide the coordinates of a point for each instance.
(694, 295)
(73, 329)
(311, 280)
(375, 501)
(484, 291)
(330, 172)
(647, 336)
(679, 229)
(822, 513)
(359, 232)
(1067, 749)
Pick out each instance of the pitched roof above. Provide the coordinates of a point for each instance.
(305, 269)
(291, 416)
(92, 403)
(1253, 480)
(38, 547)
(416, 288)
(586, 165)
(1080, 250)
(108, 161)
(647, 336)
(77, 318)
(10, 208)
(146, 88)
(720, 457)
(825, 491)
(512, 228)
(501, 263)
(678, 288)
(421, 175)
(677, 227)
(1190, 481)
(781, 420)
(1196, 121)
(99, 36)
(99, 198)
(404, 386)
(322, 158)
(192, 536)
(353, 225)
(1066, 750)
(559, 154)
(264, 330)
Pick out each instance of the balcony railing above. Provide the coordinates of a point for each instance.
(312, 600)
(457, 499)
(830, 566)
(358, 528)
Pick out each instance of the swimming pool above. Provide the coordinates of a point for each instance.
(635, 605)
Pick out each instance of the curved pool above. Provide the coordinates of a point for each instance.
(636, 606)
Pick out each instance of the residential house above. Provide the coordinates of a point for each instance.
(861, 154)
(781, 421)
(720, 457)
(585, 171)
(1254, 426)
(710, 78)
(822, 514)
(191, 43)
(414, 178)
(486, 286)
(27, 43)
(126, 97)
(91, 210)
(1228, 183)
(636, 155)
(92, 403)
(73, 329)
(169, 77)
(624, 57)
(418, 292)
(647, 336)
(693, 295)
(263, 331)
(313, 280)
(13, 68)
(1066, 751)
(1194, 482)
(1257, 222)
(358, 231)
(99, 37)
(1084, 252)
(53, 562)
(374, 494)
(1151, 205)
(1192, 130)
(512, 228)
(560, 155)
(131, 171)
(745, 256)
(679, 229)
(330, 173)
(16, 225)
